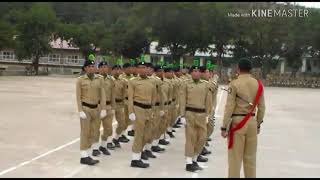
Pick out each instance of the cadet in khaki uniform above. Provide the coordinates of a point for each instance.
(242, 93)
(172, 111)
(160, 108)
(119, 95)
(142, 97)
(106, 137)
(89, 92)
(126, 76)
(195, 103)
(167, 88)
(177, 75)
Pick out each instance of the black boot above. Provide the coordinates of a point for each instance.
(173, 130)
(207, 144)
(144, 155)
(202, 159)
(197, 165)
(176, 126)
(191, 167)
(139, 164)
(110, 146)
(179, 121)
(131, 133)
(116, 143)
(157, 149)
(163, 142)
(96, 152)
(209, 139)
(204, 151)
(88, 161)
(123, 139)
(149, 154)
(104, 150)
(170, 134)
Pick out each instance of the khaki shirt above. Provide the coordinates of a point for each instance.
(160, 92)
(90, 91)
(126, 79)
(109, 86)
(141, 90)
(119, 89)
(195, 95)
(246, 87)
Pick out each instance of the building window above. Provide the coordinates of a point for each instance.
(55, 58)
(8, 55)
(73, 59)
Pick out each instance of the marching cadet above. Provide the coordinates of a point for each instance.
(177, 75)
(142, 97)
(195, 103)
(127, 76)
(167, 88)
(108, 85)
(161, 107)
(174, 95)
(244, 95)
(89, 91)
(119, 95)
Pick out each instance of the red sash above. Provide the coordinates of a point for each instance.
(247, 117)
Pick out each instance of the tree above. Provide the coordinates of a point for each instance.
(6, 35)
(35, 31)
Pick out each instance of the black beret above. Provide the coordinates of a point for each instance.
(141, 63)
(202, 69)
(193, 67)
(88, 63)
(150, 65)
(102, 63)
(116, 67)
(245, 64)
(126, 65)
(157, 68)
(167, 69)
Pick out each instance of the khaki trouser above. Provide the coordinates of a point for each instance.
(244, 149)
(120, 117)
(143, 129)
(126, 116)
(210, 127)
(164, 122)
(88, 127)
(156, 121)
(196, 133)
(107, 126)
(169, 117)
(173, 115)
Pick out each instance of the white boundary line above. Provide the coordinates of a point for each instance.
(43, 155)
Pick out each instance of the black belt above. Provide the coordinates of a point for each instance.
(126, 98)
(157, 104)
(92, 106)
(253, 114)
(195, 110)
(173, 100)
(119, 100)
(144, 106)
(167, 103)
(108, 102)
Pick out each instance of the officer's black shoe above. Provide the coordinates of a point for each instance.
(89, 161)
(202, 159)
(104, 150)
(191, 167)
(173, 130)
(116, 143)
(144, 156)
(209, 139)
(179, 122)
(170, 134)
(157, 149)
(131, 133)
(139, 164)
(96, 152)
(149, 154)
(207, 144)
(204, 151)
(176, 126)
(123, 139)
(197, 165)
(110, 146)
(163, 142)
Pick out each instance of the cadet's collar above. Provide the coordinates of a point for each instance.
(86, 76)
(244, 75)
(196, 81)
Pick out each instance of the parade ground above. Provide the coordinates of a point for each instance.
(40, 128)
